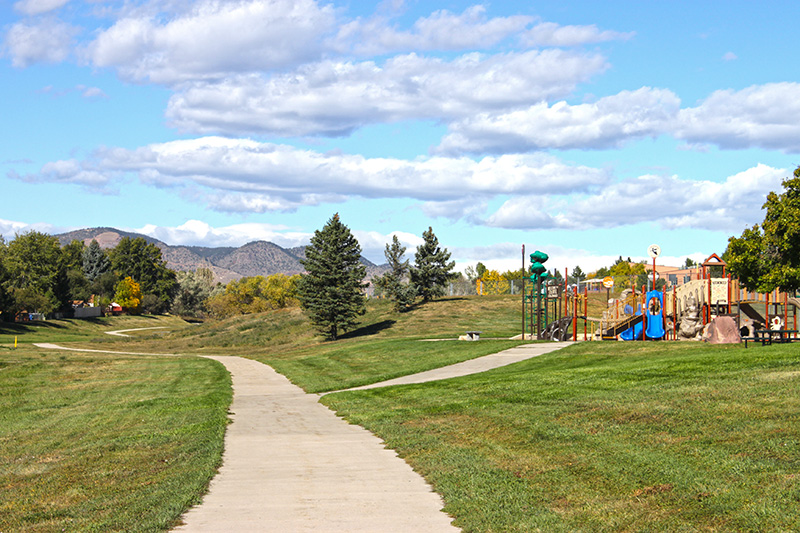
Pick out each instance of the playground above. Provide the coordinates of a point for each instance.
(705, 304)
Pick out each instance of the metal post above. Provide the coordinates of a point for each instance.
(523, 292)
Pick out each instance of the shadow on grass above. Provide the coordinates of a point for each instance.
(27, 327)
(371, 329)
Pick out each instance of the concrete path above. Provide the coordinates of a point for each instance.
(473, 366)
(291, 465)
(123, 332)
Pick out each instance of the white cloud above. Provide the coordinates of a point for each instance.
(606, 123)
(37, 7)
(442, 30)
(373, 244)
(245, 175)
(334, 97)
(729, 56)
(92, 93)
(762, 116)
(552, 34)
(199, 233)
(42, 42)
(669, 201)
(213, 39)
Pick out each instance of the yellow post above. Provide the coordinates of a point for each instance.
(15, 341)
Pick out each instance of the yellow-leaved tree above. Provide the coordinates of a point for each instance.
(492, 282)
(128, 295)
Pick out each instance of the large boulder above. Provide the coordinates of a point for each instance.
(722, 330)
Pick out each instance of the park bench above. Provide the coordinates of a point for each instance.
(769, 336)
(473, 335)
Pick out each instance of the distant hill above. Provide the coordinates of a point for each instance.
(258, 258)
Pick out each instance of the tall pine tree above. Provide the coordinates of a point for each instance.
(432, 269)
(393, 283)
(331, 291)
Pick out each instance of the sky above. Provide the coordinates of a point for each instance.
(588, 130)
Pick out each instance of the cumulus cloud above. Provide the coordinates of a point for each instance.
(46, 41)
(507, 256)
(669, 201)
(245, 175)
(334, 97)
(607, 123)
(762, 116)
(37, 7)
(552, 34)
(199, 233)
(213, 39)
(442, 30)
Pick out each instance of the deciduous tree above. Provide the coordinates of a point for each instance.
(767, 257)
(33, 260)
(129, 295)
(331, 291)
(143, 262)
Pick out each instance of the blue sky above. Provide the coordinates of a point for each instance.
(587, 130)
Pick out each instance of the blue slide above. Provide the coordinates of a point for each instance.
(655, 315)
(654, 319)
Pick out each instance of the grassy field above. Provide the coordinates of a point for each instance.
(606, 437)
(95, 442)
(596, 437)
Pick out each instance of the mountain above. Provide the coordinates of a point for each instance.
(258, 258)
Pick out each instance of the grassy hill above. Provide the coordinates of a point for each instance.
(654, 436)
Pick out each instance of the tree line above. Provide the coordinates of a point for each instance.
(39, 275)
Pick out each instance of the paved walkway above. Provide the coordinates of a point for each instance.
(474, 366)
(291, 465)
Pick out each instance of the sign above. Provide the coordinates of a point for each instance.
(608, 282)
(654, 250)
(719, 291)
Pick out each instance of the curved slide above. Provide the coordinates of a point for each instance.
(653, 323)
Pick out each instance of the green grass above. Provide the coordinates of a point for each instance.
(386, 344)
(91, 329)
(341, 365)
(597, 437)
(106, 443)
(606, 437)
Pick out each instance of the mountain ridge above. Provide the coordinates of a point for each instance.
(228, 263)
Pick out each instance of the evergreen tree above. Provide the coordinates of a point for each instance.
(331, 291)
(393, 283)
(577, 275)
(95, 261)
(432, 267)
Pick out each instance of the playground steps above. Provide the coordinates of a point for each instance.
(614, 330)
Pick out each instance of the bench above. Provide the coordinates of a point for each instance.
(473, 335)
(768, 336)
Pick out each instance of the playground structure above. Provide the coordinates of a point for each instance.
(679, 312)
(689, 307)
(550, 311)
